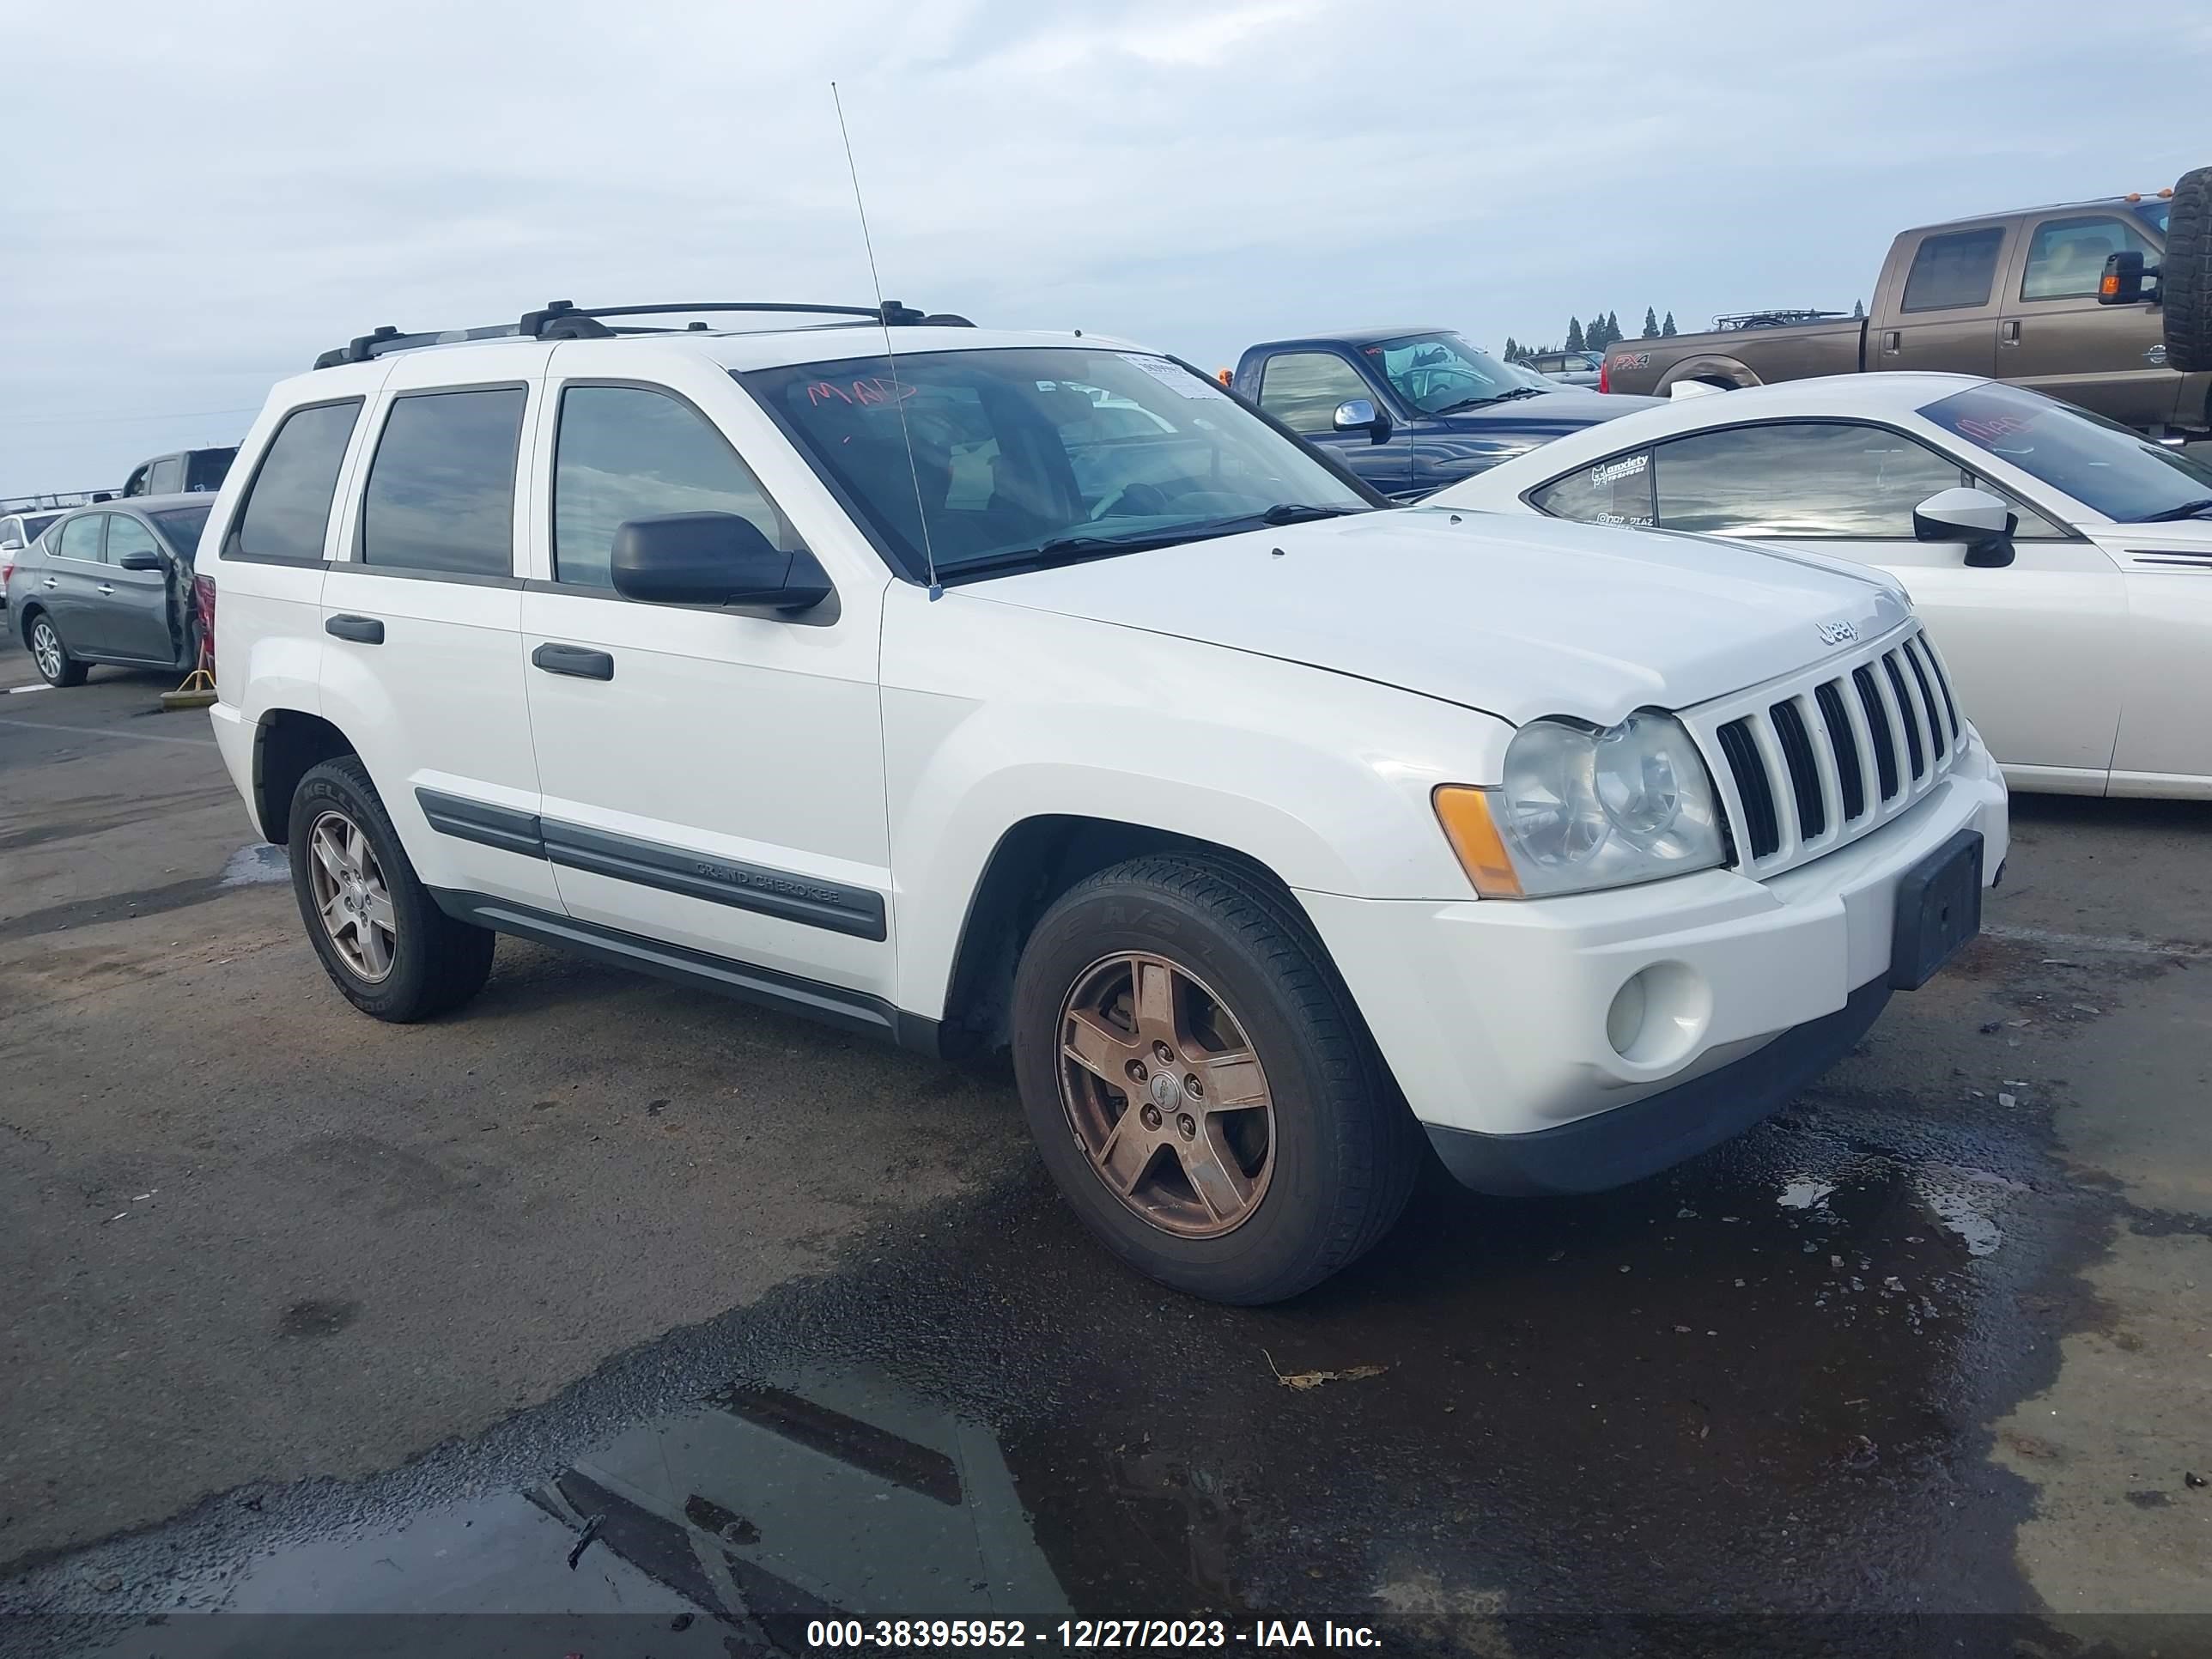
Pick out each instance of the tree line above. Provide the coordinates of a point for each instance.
(1600, 331)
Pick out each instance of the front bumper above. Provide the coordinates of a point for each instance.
(1494, 1015)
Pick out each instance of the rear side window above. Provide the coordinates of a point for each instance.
(287, 507)
(80, 538)
(165, 477)
(1615, 490)
(626, 452)
(1302, 389)
(1953, 271)
(441, 492)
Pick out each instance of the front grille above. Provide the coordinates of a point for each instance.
(1810, 765)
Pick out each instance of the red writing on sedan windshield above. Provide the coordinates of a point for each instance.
(876, 389)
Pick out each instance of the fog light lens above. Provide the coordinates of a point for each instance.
(1624, 1021)
(1659, 1015)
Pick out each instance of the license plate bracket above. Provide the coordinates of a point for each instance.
(1939, 908)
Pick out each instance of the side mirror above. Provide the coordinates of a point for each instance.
(2123, 283)
(1972, 516)
(1360, 415)
(712, 558)
(141, 559)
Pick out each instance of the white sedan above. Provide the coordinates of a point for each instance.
(2064, 564)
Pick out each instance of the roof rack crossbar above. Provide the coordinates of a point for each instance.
(563, 319)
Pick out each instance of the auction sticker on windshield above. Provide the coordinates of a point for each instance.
(1173, 376)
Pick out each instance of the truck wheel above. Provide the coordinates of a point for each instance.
(1200, 1085)
(383, 940)
(49, 655)
(2184, 285)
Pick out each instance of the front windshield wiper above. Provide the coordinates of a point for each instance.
(1506, 396)
(2195, 509)
(1073, 549)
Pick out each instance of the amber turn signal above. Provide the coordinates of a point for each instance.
(1464, 815)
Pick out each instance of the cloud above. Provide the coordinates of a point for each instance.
(221, 193)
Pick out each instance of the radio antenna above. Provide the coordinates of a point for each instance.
(883, 313)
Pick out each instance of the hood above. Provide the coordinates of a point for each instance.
(1563, 410)
(1516, 615)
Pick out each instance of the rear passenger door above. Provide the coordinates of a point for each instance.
(1303, 390)
(422, 614)
(713, 775)
(68, 586)
(1944, 313)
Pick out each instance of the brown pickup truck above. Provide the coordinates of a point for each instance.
(2021, 296)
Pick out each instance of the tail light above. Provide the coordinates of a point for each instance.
(1605, 375)
(7, 571)
(204, 609)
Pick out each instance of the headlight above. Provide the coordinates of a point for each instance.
(1580, 809)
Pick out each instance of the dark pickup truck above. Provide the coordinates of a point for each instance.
(1412, 410)
(2022, 296)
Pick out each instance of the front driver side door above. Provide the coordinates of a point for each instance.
(713, 777)
(2035, 648)
(1303, 390)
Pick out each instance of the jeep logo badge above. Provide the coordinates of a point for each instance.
(1837, 633)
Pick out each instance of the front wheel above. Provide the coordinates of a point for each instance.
(1200, 1084)
(50, 656)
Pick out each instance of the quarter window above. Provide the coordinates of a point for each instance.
(80, 538)
(2067, 256)
(1615, 490)
(288, 506)
(629, 453)
(1812, 479)
(1302, 389)
(441, 493)
(1954, 270)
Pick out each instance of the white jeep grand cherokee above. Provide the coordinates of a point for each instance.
(1027, 690)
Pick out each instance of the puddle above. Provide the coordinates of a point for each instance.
(259, 863)
(1685, 1396)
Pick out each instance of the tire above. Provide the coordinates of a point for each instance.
(1339, 1151)
(49, 655)
(430, 963)
(2184, 285)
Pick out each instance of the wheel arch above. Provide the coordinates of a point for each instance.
(1726, 372)
(287, 743)
(32, 609)
(1034, 862)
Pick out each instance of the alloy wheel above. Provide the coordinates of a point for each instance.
(351, 895)
(46, 649)
(1166, 1095)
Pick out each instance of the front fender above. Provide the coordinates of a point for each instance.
(1322, 778)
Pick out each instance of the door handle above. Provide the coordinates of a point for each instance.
(578, 661)
(1893, 340)
(107, 587)
(2008, 331)
(361, 630)
(51, 581)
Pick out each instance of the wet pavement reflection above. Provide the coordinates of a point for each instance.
(1755, 1386)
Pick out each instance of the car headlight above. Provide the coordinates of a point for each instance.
(1581, 808)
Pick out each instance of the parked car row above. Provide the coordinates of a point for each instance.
(109, 584)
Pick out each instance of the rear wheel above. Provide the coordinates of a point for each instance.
(1200, 1085)
(384, 941)
(50, 656)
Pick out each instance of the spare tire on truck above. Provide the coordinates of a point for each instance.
(2184, 284)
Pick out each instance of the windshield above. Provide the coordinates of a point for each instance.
(2102, 465)
(1019, 448)
(180, 527)
(26, 528)
(1437, 372)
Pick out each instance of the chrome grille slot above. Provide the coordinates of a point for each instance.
(1805, 765)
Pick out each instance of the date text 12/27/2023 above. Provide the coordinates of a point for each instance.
(1084, 1634)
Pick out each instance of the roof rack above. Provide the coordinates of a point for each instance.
(1779, 318)
(563, 319)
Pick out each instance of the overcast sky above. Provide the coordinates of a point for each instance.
(199, 198)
